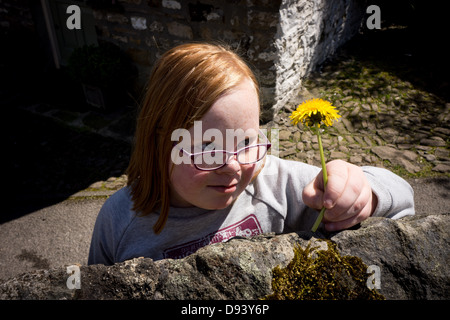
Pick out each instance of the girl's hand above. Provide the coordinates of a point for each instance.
(348, 196)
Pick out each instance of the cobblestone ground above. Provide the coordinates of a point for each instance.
(386, 122)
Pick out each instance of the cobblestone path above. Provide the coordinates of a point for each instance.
(386, 122)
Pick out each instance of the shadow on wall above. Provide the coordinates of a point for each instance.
(337, 25)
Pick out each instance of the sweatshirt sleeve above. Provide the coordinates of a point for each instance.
(395, 195)
(283, 187)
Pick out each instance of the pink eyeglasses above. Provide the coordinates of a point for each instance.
(216, 159)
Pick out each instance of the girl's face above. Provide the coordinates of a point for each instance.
(238, 109)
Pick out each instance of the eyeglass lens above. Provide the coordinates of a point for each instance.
(215, 159)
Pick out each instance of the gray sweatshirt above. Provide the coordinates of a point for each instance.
(271, 203)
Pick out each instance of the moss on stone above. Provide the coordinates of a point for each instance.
(322, 275)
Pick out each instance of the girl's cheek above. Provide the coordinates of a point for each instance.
(187, 175)
(248, 172)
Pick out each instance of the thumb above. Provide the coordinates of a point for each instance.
(313, 193)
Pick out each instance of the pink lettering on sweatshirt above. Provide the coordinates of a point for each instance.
(245, 228)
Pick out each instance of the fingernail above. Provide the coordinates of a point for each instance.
(328, 204)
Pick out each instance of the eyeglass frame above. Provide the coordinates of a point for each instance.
(233, 153)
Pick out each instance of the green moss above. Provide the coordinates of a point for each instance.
(426, 170)
(93, 197)
(325, 275)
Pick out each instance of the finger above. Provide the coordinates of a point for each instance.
(364, 198)
(337, 180)
(312, 194)
(350, 222)
(353, 198)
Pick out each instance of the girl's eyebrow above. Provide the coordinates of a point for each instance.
(250, 138)
(202, 144)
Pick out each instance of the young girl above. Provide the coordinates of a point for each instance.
(200, 173)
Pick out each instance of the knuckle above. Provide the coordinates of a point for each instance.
(332, 215)
(358, 207)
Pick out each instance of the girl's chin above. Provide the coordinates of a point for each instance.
(220, 203)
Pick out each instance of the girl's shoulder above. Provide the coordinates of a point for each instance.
(121, 197)
(280, 178)
(118, 207)
(113, 220)
(278, 169)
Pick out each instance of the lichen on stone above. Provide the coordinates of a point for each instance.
(322, 275)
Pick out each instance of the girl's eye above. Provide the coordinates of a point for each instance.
(208, 146)
(246, 142)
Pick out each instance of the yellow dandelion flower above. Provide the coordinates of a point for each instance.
(315, 111)
(312, 113)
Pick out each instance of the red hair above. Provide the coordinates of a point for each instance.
(184, 84)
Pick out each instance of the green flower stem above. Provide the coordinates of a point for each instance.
(325, 177)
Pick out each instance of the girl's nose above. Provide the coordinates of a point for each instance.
(232, 166)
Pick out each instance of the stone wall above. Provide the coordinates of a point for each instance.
(281, 40)
(408, 259)
(146, 29)
(16, 15)
(307, 34)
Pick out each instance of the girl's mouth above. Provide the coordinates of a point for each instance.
(225, 189)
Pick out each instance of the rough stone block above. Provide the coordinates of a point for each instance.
(171, 4)
(180, 30)
(139, 23)
(117, 17)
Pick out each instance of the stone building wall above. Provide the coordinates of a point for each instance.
(282, 40)
(16, 15)
(146, 29)
(308, 33)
